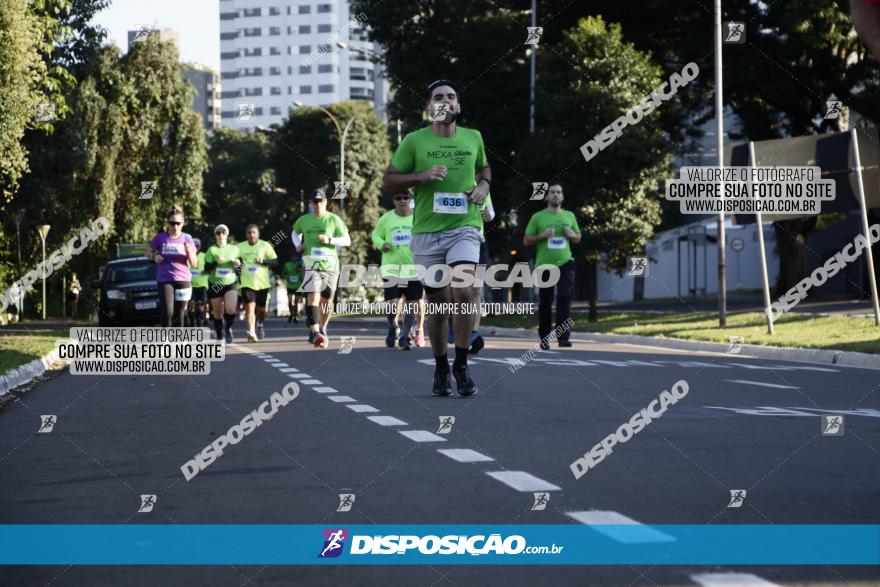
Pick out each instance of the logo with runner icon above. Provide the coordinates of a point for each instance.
(334, 542)
(47, 423)
(346, 500)
(832, 425)
(539, 190)
(638, 266)
(147, 504)
(541, 500)
(737, 498)
(346, 344)
(446, 423)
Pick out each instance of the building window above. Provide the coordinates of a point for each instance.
(305, 29)
(228, 114)
(254, 32)
(289, 70)
(305, 89)
(274, 30)
(325, 68)
(305, 69)
(253, 52)
(325, 48)
(289, 90)
(274, 50)
(305, 9)
(251, 12)
(288, 49)
(228, 15)
(324, 28)
(324, 8)
(275, 91)
(228, 36)
(274, 71)
(229, 55)
(230, 94)
(288, 11)
(274, 11)
(305, 49)
(229, 75)
(325, 89)
(253, 91)
(275, 111)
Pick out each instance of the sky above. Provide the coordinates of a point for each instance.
(196, 21)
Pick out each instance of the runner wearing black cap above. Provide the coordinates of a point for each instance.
(316, 235)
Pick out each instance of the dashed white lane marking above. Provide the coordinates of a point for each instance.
(604, 522)
(325, 390)
(272, 360)
(422, 436)
(298, 375)
(760, 384)
(311, 382)
(522, 481)
(361, 408)
(464, 455)
(340, 398)
(280, 365)
(289, 370)
(387, 421)
(731, 580)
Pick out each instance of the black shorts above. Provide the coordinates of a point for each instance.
(260, 296)
(215, 290)
(294, 292)
(412, 290)
(200, 295)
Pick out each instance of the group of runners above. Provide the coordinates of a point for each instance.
(440, 180)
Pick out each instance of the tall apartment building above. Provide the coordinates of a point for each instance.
(206, 101)
(277, 52)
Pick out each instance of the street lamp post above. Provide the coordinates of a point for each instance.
(43, 229)
(342, 134)
(18, 219)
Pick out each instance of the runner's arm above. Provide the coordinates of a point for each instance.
(341, 241)
(395, 182)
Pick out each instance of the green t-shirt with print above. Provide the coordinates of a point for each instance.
(199, 277)
(443, 205)
(224, 272)
(395, 230)
(316, 255)
(253, 275)
(293, 274)
(555, 250)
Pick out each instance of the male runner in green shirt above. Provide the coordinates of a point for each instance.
(292, 271)
(447, 166)
(552, 230)
(199, 300)
(256, 257)
(316, 235)
(392, 236)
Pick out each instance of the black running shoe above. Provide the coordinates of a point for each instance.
(442, 385)
(393, 335)
(405, 343)
(311, 337)
(463, 382)
(564, 343)
(545, 346)
(477, 343)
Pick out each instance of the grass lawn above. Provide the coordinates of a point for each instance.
(21, 346)
(792, 330)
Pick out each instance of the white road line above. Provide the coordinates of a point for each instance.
(299, 376)
(325, 390)
(270, 361)
(340, 398)
(604, 522)
(422, 436)
(289, 370)
(464, 455)
(387, 421)
(361, 408)
(760, 383)
(280, 365)
(311, 382)
(731, 580)
(522, 481)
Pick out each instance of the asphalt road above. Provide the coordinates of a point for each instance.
(744, 424)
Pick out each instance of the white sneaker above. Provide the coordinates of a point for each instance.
(252, 337)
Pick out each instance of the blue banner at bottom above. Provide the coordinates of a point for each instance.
(384, 544)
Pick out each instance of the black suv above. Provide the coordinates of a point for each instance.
(129, 295)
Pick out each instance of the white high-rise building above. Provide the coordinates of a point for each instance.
(277, 52)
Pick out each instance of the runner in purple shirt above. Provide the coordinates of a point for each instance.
(174, 253)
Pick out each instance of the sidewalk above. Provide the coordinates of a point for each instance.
(844, 307)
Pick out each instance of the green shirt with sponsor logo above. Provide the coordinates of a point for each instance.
(318, 256)
(224, 272)
(443, 205)
(254, 275)
(555, 250)
(199, 277)
(293, 274)
(395, 230)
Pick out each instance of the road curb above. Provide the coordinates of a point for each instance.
(27, 372)
(814, 356)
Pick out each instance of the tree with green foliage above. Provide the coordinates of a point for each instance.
(307, 157)
(240, 185)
